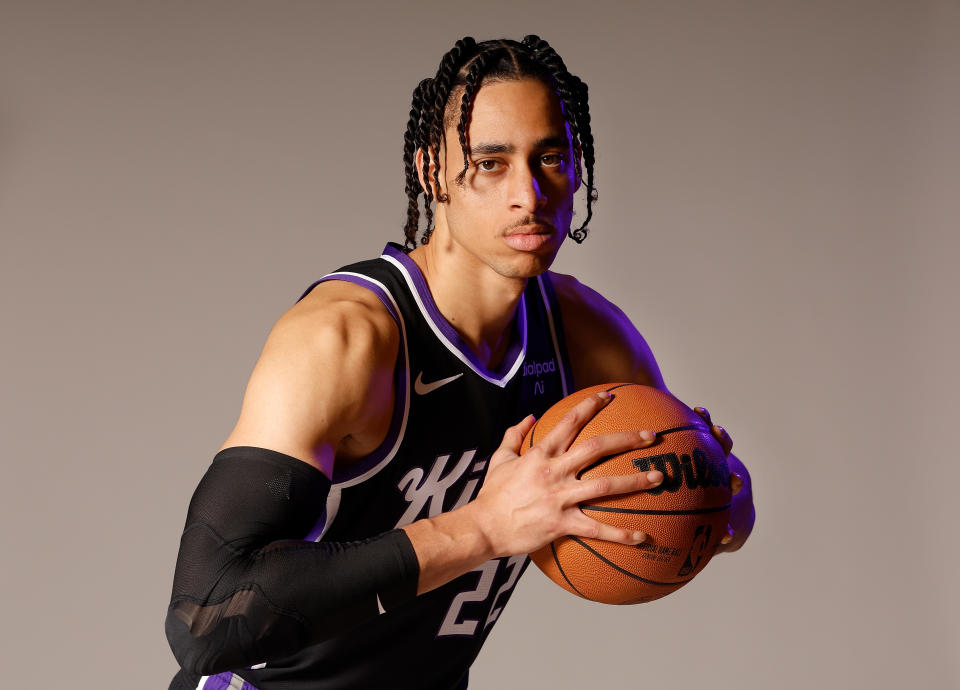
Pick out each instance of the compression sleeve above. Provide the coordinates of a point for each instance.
(247, 589)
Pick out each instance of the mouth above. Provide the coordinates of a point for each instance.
(529, 237)
(532, 226)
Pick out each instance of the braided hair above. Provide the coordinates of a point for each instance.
(461, 73)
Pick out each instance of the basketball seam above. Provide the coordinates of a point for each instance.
(597, 414)
(553, 550)
(627, 572)
(637, 511)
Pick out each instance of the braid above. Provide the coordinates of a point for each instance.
(573, 93)
(465, 67)
(413, 186)
(442, 83)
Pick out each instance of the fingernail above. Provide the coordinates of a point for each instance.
(604, 395)
(721, 430)
(655, 477)
(647, 435)
(639, 537)
(736, 483)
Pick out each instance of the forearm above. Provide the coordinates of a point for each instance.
(448, 545)
(246, 590)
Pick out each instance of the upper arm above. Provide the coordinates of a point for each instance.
(325, 373)
(602, 343)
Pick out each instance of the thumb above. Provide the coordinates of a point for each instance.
(512, 440)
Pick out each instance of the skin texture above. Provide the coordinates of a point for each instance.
(322, 388)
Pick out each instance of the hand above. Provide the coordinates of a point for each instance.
(528, 502)
(742, 513)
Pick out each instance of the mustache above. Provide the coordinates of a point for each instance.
(529, 220)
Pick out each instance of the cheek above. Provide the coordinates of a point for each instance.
(562, 187)
(485, 186)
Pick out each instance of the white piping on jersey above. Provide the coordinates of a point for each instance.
(333, 505)
(333, 498)
(501, 382)
(553, 334)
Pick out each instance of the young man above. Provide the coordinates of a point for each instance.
(365, 522)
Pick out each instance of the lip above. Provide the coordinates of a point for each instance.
(528, 238)
(531, 229)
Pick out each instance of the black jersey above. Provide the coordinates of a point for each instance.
(449, 416)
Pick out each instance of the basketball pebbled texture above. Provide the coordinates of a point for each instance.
(684, 518)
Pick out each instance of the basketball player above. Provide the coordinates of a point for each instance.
(365, 522)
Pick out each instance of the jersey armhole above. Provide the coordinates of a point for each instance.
(368, 466)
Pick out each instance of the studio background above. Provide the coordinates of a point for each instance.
(778, 210)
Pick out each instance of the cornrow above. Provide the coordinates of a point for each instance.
(573, 92)
(446, 74)
(412, 186)
(461, 72)
(479, 65)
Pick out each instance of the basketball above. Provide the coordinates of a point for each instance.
(684, 517)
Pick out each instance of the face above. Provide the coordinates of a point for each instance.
(514, 207)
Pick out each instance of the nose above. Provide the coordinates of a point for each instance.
(526, 191)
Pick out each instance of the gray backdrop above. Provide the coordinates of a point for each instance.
(777, 214)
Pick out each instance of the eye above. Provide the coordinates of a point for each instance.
(488, 165)
(552, 160)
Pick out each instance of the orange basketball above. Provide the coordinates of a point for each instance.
(684, 517)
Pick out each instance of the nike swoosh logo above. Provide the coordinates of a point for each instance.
(423, 388)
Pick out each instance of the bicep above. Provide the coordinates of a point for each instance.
(324, 371)
(603, 344)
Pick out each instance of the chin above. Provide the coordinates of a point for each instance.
(529, 265)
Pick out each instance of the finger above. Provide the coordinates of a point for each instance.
(728, 537)
(583, 526)
(559, 438)
(592, 449)
(705, 414)
(589, 489)
(514, 435)
(723, 437)
(736, 483)
(512, 440)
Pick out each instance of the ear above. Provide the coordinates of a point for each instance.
(418, 161)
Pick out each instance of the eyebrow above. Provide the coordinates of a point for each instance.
(489, 148)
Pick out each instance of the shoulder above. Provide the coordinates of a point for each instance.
(603, 344)
(339, 311)
(325, 373)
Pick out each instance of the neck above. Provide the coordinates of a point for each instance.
(479, 304)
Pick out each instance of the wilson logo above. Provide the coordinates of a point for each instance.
(696, 472)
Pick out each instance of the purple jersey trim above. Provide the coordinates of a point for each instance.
(362, 281)
(515, 352)
(222, 681)
(318, 529)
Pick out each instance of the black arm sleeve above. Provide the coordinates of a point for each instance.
(247, 590)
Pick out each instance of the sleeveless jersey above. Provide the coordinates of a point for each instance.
(449, 416)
